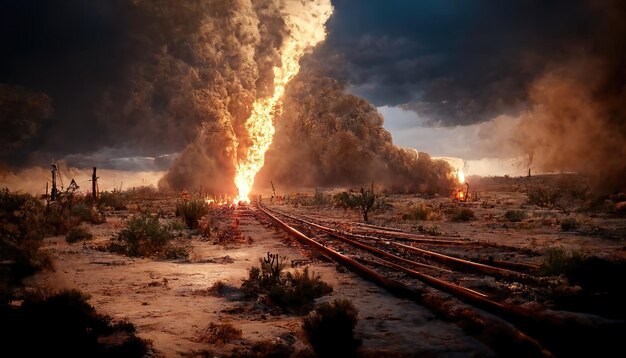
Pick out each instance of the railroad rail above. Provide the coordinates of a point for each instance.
(530, 328)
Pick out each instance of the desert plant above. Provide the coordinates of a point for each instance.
(266, 276)
(320, 199)
(515, 215)
(144, 235)
(462, 214)
(82, 211)
(593, 274)
(23, 225)
(299, 289)
(421, 212)
(65, 324)
(558, 261)
(272, 267)
(542, 195)
(78, 233)
(330, 329)
(569, 224)
(220, 333)
(287, 290)
(116, 200)
(365, 200)
(191, 210)
(430, 230)
(344, 200)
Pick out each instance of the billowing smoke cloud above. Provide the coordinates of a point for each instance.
(135, 85)
(249, 39)
(576, 119)
(328, 137)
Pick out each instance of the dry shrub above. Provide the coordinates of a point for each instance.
(191, 211)
(330, 329)
(144, 236)
(364, 200)
(299, 289)
(23, 225)
(430, 230)
(66, 325)
(543, 195)
(461, 214)
(569, 224)
(115, 200)
(289, 290)
(559, 261)
(78, 233)
(422, 212)
(220, 333)
(515, 215)
(270, 349)
(320, 199)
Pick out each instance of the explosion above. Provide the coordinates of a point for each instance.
(461, 176)
(307, 30)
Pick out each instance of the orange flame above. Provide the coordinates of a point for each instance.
(307, 29)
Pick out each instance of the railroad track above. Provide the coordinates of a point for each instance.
(407, 270)
(453, 244)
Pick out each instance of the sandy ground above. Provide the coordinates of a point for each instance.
(169, 303)
(599, 235)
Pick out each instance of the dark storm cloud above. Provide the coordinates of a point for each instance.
(453, 62)
(93, 60)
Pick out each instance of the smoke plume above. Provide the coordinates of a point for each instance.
(132, 84)
(327, 137)
(577, 119)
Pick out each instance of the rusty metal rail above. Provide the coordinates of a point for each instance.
(585, 332)
(474, 298)
(444, 259)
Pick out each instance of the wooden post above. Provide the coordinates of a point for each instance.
(94, 185)
(53, 193)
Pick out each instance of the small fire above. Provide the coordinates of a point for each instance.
(219, 200)
(307, 29)
(460, 176)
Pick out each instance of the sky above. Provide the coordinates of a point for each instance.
(437, 69)
(441, 72)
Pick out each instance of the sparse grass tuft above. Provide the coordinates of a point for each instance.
(569, 224)
(462, 214)
(330, 329)
(515, 215)
(543, 196)
(220, 333)
(418, 212)
(430, 230)
(115, 200)
(320, 199)
(78, 233)
(558, 261)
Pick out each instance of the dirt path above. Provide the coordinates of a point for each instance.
(170, 305)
